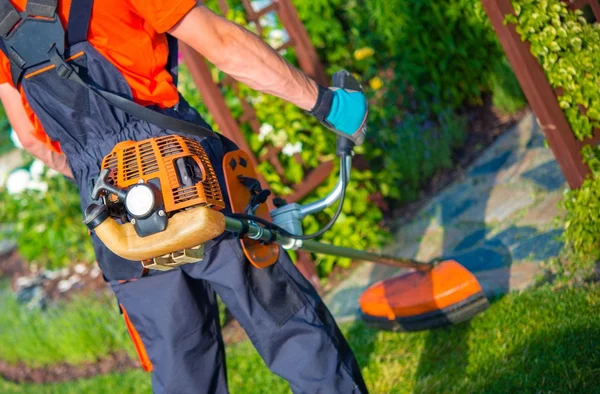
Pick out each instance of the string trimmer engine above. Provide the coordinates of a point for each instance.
(152, 185)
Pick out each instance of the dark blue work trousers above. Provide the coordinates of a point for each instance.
(177, 317)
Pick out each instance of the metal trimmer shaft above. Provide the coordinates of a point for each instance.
(260, 233)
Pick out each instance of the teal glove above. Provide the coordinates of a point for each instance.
(343, 111)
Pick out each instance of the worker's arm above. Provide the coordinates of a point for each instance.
(13, 106)
(247, 58)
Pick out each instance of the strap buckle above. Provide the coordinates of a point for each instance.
(63, 69)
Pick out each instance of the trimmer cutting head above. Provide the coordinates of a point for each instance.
(447, 294)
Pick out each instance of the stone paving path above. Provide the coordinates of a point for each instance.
(499, 221)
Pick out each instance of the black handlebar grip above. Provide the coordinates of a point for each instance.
(345, 80)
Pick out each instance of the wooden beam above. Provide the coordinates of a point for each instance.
(539, 94)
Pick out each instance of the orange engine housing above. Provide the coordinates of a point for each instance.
(155, 158)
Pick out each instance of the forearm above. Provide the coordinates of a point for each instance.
(245, 57)
(13, 106)
(57, 162)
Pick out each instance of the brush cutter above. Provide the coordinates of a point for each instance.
(158, 201)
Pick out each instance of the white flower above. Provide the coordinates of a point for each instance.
(95, 272)
(38, 185)
(81, 269)
(64, 272)
(51, 274)
(74, 279)
(279, 139)
(255, 100)
(64, 285)
(52, 173)
(264, 131)
(37, 169)
(291, 149)
(15, 139)
(18, 181)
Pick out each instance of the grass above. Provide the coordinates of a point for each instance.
(544, 340)
(89, 328)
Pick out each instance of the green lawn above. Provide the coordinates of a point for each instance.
(88, 328)
(540, 341)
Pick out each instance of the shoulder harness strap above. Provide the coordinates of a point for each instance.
(173, 61)
(24, 39)
(45, 8)
(79, 21)
(9, 17)
(126, 105)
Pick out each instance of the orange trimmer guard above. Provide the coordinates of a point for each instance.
(447, 294)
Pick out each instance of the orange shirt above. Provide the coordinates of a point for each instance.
(130, 34)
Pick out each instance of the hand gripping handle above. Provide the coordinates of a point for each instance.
(345, 80)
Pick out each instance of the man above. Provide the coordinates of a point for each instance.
(120, 46)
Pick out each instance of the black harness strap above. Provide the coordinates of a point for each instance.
(9, 17)
(45, 8)
(66, 71)
(79, 21)
(173, 61)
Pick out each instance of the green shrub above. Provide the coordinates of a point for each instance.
(582, 221)
(507, 95)
(567, 47)
(442, 51)
(46, 225)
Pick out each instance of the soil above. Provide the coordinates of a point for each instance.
(20, 373)
(484, 127)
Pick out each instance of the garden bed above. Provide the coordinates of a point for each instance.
(485, 124)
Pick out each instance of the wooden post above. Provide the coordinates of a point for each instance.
(305, 52)
(539, 93)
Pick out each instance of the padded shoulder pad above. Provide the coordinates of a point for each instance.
(46, 8)
(9, 17)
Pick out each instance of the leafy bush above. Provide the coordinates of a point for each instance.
(582, 221)
(567, 47)
(441, 52)
(507, 95)
(44, 218)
